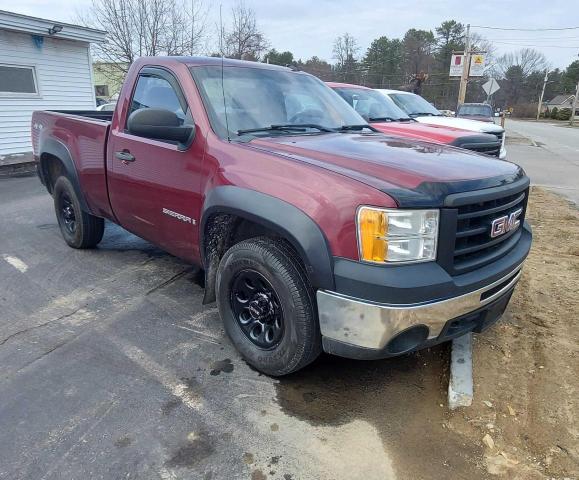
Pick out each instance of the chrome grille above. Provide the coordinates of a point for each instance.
(474, 246)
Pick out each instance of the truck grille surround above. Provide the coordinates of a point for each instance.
(499, 136)
(492, 149)
(465, 243)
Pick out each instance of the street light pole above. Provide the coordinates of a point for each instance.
(465, 68)
(571, 120)
(542, 93)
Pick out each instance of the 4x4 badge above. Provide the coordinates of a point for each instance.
(505, 224)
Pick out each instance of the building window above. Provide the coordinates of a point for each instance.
(16, 79)
(101, 90)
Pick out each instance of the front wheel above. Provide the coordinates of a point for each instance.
(79, 229)
(267, 306)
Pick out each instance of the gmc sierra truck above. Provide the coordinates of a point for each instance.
(315, 231)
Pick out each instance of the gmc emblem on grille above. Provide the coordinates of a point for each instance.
(505, 224)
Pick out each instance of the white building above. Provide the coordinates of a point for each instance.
(44, 65)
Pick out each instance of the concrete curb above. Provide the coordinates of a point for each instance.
(17, 165)
(23, 169)
(460, 386)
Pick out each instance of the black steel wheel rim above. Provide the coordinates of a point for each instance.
(257, 309)
(67, 212)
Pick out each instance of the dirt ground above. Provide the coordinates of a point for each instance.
(527, 367)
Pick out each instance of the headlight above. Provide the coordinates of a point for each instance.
(388, 235)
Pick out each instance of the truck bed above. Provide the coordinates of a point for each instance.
(81, 135)
(94, 114)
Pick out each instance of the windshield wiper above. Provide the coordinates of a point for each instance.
(389, 119)
(382, 119)
(350, 128)
(296, 127)
(425, 114)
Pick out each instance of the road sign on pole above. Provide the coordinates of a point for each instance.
(491, 87)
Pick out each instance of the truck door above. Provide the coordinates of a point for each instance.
(154, 184)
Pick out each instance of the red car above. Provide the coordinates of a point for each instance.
(314, 231)
(384, 115)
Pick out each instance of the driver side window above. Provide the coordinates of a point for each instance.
(156, 92)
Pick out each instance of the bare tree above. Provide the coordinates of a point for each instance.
(137, 28)
(345, 51)
(243, 40)
(527, 59)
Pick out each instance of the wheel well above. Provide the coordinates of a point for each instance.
(221, 232)
(52, 168)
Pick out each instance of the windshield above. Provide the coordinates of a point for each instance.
(475, 110)
(413, 105)
(372, 105)
(258, 98)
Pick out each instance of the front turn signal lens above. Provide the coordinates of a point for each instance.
(397, 235)
(372, 231)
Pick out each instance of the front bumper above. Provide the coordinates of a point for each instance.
(416, 306)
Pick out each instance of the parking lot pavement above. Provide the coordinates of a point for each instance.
(549, 153)
(111, 368)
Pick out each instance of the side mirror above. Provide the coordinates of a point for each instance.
(159, 124)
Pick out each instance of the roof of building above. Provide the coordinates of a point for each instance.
(561, 99)
(17, 22)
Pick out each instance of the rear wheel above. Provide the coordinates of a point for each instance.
(267, 306)
(79, 229)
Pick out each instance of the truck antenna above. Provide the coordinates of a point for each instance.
(222, 68)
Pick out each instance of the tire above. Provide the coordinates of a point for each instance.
(252, 317)
(79, 229)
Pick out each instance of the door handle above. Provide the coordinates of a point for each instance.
(125, 156)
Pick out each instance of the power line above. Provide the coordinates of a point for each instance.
(526, 29)
(531, 39)
(537, 46)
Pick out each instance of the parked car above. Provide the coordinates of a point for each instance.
(476, 111)
(424, 112)
(315, 232)
(107, 107)
(384, 115)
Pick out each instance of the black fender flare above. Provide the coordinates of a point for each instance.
(56, 148)
(277, 215)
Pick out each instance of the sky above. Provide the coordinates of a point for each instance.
(309, 27)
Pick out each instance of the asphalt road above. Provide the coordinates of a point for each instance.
(110, 368)
(548, 152)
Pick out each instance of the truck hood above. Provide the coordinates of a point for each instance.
(414, 173)
(473, 125)
(423, 131)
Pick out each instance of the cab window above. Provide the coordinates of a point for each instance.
(156, 92)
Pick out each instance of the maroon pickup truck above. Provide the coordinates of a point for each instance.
(315, 231)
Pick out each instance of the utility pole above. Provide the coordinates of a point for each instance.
(542, 93)
(574, 109)
(465, 68)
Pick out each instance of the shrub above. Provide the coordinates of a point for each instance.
(525, 110)
(554, 113)
(564, 114)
